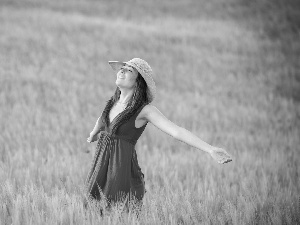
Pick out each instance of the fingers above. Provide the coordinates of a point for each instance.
(224, 160)
(221, 156)
(227, 161)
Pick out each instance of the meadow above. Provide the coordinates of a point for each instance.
(227, 70)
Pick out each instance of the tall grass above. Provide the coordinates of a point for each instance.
(220, 71)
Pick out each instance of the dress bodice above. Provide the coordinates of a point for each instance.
(126, 131)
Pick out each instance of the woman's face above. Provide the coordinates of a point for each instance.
(126, 77)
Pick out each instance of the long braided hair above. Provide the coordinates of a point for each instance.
(138, 99)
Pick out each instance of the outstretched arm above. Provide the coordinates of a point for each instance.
(154, 116)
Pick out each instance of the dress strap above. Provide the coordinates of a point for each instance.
(139, 110)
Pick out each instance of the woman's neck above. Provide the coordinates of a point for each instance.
(125, 95)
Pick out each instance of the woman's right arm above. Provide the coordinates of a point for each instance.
(93, 135)
(96, 129)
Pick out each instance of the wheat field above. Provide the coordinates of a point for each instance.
(227, 70)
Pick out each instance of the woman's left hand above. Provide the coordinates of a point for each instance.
(220, 155)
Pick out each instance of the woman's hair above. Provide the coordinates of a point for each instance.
(138, 99)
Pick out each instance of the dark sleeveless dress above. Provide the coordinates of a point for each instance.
(115, 172)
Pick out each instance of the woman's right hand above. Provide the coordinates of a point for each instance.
(92, 138)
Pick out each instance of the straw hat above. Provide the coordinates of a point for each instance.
(144, 69)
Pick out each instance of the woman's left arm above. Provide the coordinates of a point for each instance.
(154, 116)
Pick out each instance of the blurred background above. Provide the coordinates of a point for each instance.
(227, 70)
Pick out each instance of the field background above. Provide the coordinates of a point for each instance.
(227, 70)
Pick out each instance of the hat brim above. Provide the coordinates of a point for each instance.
(116, 65)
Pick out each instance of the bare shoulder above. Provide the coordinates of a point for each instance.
(144, 115)
(148, 110)
(151, 114)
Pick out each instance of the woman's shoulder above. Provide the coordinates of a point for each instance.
(148, 107)
(147, 110)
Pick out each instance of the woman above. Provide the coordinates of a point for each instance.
(115, 172)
